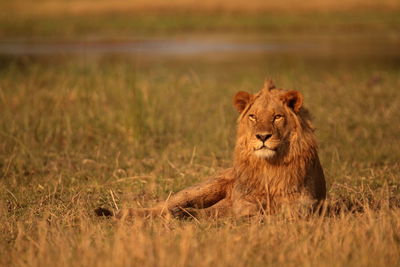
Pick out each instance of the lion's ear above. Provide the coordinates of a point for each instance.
(293, 99)
(241, 99)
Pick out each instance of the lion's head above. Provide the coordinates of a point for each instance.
(272, 123)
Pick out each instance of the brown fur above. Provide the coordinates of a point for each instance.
(275, 164)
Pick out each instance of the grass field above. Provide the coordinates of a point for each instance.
(83, 131)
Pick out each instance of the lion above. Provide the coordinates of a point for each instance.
(275, 164)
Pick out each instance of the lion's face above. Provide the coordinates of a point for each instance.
(267, 120)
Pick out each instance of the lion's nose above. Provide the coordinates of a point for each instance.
(263, 137)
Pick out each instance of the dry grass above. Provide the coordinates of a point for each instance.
(76, 132)
(369, 239)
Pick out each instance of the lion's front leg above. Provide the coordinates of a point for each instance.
(220, 209)
(226, 207)
(140, 212)
(199, 196)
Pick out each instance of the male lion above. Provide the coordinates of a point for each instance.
(275, 164)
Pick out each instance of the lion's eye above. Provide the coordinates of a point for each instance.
(252, 117)
(278, 117)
